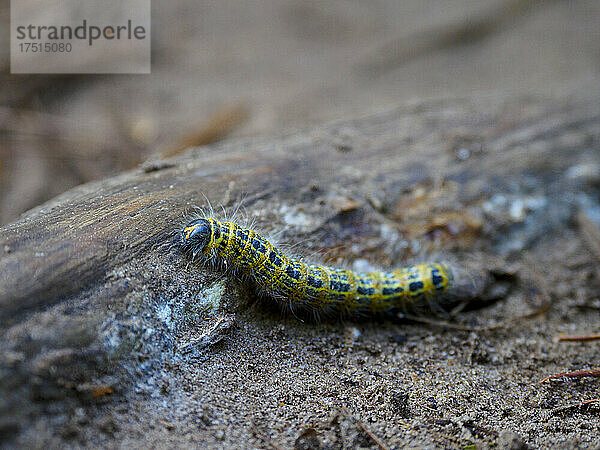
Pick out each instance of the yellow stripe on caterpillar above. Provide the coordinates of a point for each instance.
(313, 286)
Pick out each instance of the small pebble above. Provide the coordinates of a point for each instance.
(463, 154)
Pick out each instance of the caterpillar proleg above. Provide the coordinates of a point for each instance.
(318, 288)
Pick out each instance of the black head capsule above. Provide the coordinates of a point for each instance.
(196, 235)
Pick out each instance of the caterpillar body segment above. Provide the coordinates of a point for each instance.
(312, 286)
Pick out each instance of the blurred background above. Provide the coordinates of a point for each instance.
(261, 67)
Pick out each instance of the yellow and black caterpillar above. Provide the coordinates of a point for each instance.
(314, 287)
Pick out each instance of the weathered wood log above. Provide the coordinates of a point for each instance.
(96, 301)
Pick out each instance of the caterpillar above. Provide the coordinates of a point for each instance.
(318, 288)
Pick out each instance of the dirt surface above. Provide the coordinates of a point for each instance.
(125, 343)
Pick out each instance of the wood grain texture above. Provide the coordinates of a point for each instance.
(69, 243)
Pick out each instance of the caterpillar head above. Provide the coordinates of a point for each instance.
(196, 235)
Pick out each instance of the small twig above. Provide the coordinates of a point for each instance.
(168, 425)
(589, 337)
(595, 373)
(363, 427)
